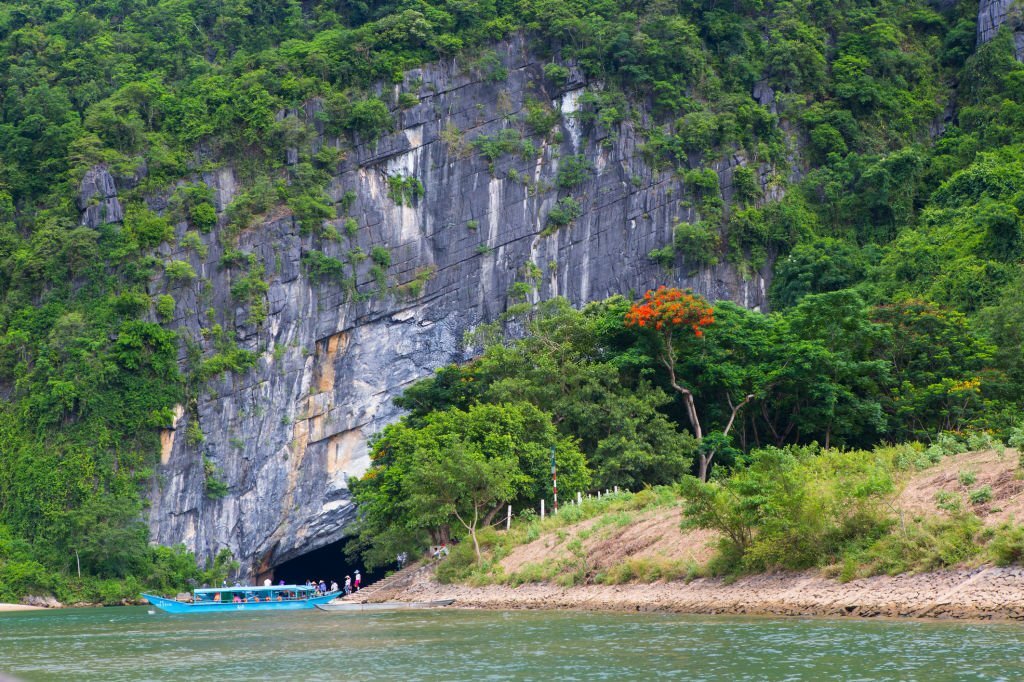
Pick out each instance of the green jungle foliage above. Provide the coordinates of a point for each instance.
(899, 238)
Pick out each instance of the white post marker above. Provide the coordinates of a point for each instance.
(616, 490)
(554, 479)
(508, 518)
(579, 498)
(542, 510)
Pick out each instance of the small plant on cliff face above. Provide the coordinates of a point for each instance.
(194, 434)
(216, 488)
(556, 73)
(179, 272)
(564, 212)
(381, 256)
(967, 478)
(165, 307)
(191, 240)
(665, 256)
(404, 190)
(540, 118)
(746, 186)
(407, 100)
(414, 288)
(698, 242)
(575, 170)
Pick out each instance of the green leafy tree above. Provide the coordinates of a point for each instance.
(465, 485)
(412, 492)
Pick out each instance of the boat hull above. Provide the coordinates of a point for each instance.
(175, 606)
(385, 606)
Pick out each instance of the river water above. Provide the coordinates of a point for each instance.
(134, 644)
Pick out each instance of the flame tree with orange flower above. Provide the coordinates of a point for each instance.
(671, 314)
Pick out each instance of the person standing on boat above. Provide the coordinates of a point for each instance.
(358, 580)
(322, 587)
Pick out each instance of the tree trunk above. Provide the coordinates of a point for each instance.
(705, 460)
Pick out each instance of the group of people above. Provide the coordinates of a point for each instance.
(350, 585)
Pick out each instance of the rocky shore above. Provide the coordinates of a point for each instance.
(985, 593)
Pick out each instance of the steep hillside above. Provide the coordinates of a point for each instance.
(232, 233)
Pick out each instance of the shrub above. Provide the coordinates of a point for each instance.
(948, 501)
(414, 287)
(506, 141)
(967, 478)
(204, 216)
(216, 488)
(368, 118)
(381, 256)
(404, 190)
(194, 435)
(556, 73)
(665, 256)
(148, 228)
(574, 170)
(564, 212)
(540, 118)
(407, 100)
(745, 184)
(981, 495)
(179, 271)
(698, 243)
(321, 266)
(191, 240)
(1007, 545)
(926, 546)
(165, 305)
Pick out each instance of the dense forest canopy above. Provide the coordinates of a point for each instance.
(893, 141)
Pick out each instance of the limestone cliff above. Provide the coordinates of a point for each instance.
(992, 14)
(286, 435)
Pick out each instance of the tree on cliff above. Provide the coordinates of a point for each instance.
(671, 314)
(456, 469)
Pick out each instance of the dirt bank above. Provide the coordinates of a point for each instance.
(987, 593)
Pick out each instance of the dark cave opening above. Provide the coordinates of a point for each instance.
(326, 563)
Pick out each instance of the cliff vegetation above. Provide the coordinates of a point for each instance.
(877, 153)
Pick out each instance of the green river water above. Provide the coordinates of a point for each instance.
(134, 644)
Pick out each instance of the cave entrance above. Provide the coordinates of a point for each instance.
(326, 563)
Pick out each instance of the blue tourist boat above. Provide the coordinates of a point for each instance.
(245, 598)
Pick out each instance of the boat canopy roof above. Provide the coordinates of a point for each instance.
(255, 588)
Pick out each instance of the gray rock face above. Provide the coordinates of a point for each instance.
(287, 435)
(992, 14)
(97, 198)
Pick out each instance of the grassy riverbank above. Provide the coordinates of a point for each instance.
(806, 534)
